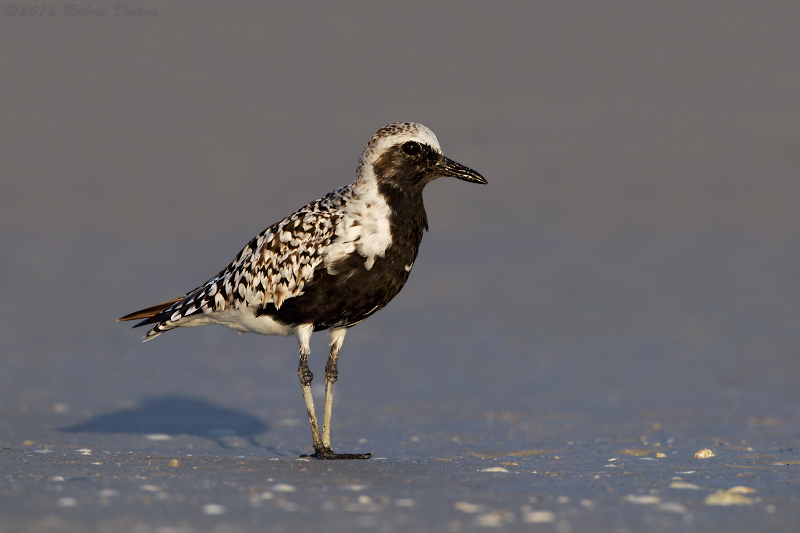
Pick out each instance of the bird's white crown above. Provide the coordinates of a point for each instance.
(392, 135)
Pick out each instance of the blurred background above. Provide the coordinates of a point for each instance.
(633, 259)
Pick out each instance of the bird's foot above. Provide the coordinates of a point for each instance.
(327, 453)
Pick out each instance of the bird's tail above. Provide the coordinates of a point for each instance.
(149, 312)
(153, 315)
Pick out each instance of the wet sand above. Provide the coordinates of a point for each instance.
(622, 295)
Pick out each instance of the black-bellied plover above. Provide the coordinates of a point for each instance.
(329, 265)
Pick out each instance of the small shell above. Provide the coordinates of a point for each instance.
(705, 453)
(726, 498)
(741, 489)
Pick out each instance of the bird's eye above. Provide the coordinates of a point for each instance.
(412, 148)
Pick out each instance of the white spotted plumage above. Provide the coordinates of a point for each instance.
(274, 266)
(278, 262)
(329, 265)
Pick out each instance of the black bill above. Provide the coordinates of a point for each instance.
(455, 170)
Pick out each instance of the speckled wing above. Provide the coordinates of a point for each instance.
(272, 268)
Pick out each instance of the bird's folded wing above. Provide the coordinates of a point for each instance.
(272, 268)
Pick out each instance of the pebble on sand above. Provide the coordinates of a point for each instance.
(354, 488)
(494, 519)
(157, 436)
(213, 509)
(466, 507)
(727, 498)
(683, 485)
(67, 502)
(539, 517)
(646, 499)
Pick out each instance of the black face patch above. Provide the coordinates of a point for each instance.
(404, 165)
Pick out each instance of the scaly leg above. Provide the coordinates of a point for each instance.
(304, 335)
(322, 445)
(331, 375)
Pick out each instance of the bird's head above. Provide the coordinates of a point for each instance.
(407, 155)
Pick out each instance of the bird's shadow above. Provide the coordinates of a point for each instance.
(177, 415)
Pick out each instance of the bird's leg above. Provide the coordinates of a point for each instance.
(304, 334)
(305, 381)
(322, 444)
(331, 375)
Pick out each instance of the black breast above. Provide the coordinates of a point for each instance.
(354, 293)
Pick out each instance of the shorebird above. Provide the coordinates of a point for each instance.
(327, 266)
